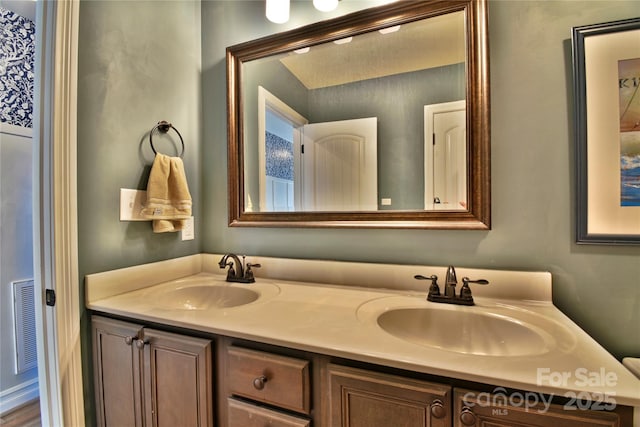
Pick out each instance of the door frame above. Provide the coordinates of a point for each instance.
(55, 213)
(268, 100)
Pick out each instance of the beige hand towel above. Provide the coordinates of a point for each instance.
(168, 198)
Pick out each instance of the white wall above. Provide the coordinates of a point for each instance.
(16, 255)
(16, 228)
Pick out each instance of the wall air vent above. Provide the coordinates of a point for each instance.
(24, 318)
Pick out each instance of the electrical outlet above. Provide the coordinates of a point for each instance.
(188, 232)
(131, 204)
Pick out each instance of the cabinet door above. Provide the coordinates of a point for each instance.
(360, 398)
(178, 380)
(116, 362)
(473, 408)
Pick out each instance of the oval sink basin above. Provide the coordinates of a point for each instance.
(204, 297)
(466, 331)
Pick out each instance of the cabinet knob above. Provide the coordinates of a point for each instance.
(141, 343)
(437, 409)
(259, 382)
(129, 340)
(467, 417)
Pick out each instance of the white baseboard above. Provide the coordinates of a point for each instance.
(18, 395)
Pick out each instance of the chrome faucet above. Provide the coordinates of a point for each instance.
(237, 271)
(450, 283)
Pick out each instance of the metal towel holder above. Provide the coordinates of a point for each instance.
(163, 127)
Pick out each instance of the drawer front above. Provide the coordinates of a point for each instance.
(269, 378)
(242, 414)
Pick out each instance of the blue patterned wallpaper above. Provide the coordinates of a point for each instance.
(16, 68)
(279, 153)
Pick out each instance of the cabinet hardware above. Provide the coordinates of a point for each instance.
(141, 343)
(437, 409)
(259, 382)
(467, 417)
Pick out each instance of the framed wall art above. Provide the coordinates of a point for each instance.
(606, 71)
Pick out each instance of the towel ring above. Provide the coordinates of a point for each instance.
(164, 126)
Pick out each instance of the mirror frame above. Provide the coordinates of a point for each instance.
(478, 215)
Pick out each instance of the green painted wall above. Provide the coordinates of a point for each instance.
(142, 61)
(139, 63)
(532, 169)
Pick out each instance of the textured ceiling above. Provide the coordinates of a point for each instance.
(416, 46)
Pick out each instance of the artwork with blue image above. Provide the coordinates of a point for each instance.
(629, 86)
(16, 68)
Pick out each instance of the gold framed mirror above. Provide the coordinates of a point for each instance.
(290, 78)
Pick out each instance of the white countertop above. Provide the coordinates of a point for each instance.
(333, 319)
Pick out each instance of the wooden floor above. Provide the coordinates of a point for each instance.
(27, 415)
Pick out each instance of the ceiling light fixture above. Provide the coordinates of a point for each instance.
(325, 5)
(277, 11)
(389, 30)
(343, 41)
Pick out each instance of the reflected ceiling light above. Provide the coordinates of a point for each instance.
(277, 11)
(325, 5)
(389, 30)
(343, 41)
(302, 50)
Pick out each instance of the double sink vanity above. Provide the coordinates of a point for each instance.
(328, 343)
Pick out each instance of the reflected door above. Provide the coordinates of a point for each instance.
(446, 158)
(339, 166)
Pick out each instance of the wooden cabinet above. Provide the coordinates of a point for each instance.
(116, 362)
(244, 414)
(269, 378)
(282, 383)
(362, 398)
(145, 377)
(473, 408)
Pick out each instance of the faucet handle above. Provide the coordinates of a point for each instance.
(248, 273)
(465, 290)
(434, 289)
(466, 280)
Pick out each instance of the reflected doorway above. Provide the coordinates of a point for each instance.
(330, 166)
(445, 140)
(278, 154)
(340, 165)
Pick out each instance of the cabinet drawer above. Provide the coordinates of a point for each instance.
(242, 414)
(269, 378)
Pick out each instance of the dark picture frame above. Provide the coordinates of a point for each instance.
(602, 217)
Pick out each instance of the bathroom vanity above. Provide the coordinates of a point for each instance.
(173, 342)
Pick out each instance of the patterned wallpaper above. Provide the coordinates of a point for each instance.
(279, 153)
(16, 68)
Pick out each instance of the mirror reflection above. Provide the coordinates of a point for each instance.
(332, 124)
(374, 121)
